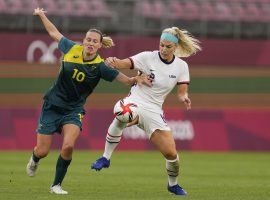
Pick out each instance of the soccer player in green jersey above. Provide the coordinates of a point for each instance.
(62, 111)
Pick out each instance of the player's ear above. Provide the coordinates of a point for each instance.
(84, 40)
(100, 45)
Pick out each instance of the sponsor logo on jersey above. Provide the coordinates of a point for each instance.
(75, 56)
(172, 76)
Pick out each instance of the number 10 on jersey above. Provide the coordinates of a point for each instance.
(79, 76)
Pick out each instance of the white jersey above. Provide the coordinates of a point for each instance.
(166, 76)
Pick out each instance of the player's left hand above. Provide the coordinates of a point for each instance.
(186, 100)
(134, 122)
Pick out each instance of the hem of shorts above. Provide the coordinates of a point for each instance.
(149, 135)
(46, 133)
(71, 122)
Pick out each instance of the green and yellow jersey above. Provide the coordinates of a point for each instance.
(77, 78)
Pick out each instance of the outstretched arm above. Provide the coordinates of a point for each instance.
(49, 26)
(140, 79)
(182, 95)
(118, 63)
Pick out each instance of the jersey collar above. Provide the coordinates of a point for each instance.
(164, 61)
(91, 59)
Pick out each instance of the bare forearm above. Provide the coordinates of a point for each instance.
(50, 28)
(118, 63)
(124, 64)
(182, 90)
(132, 81)
(125, 79)
(182, 95)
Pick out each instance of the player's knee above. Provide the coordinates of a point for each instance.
(68, 148)
(115, 132)
(170, 155)
(41, 152)
(116, 128)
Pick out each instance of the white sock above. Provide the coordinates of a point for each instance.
(113, 137)
(172, 167)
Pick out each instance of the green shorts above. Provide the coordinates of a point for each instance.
(52, 118)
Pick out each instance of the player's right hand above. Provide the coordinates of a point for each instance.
(134, 122)
(38, 11)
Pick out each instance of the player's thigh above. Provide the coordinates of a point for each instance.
(165, 143)
(70, 133)
(49, 119)
(151, 121)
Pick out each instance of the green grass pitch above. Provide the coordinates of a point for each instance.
(140, 175)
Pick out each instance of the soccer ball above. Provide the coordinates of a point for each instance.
(125, 111)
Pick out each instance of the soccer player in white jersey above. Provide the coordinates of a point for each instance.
(166, 70)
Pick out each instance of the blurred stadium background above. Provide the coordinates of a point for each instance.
(230, 92)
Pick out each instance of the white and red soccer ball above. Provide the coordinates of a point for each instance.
(125, 111)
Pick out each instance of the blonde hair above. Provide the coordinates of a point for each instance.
(106, 41)
(187, 44)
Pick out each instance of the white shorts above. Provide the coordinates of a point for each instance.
(151, 121)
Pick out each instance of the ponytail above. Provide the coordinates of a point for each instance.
(187, 45)
(107, 42)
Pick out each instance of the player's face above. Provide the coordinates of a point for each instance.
(166, 49)
(91, 43)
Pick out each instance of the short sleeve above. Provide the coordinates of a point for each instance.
(65, 45)
(108, 73)
(184, 76)
(140, 59)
